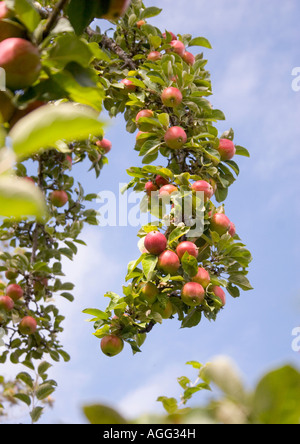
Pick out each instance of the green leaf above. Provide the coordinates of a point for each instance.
(68, 48)
(44, 390)
(43, 367)
(44, 127)
(26, 378)
(149, 263)
(96, 313)
(81, 13)
(36, 414)
(150, 12)
(177, 234)
(200, 41)
(25, 12)
(102, 414)
(170, 404)
(192, 319)
(241, 281)
(23, 397)
(241, 151)
(189, 264)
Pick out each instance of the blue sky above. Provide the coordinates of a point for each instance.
(255, 48)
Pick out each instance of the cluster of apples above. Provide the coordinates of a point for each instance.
(14, 293)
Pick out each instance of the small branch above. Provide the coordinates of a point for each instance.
(52, 19)
(148, 328)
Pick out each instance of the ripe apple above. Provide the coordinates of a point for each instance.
(140, 23)
(9, 28)
(6, 303)
(202, 277)
(21, 61)
(192, 294)
(11, 274)
(20, 113)
(128, 84)
(149, 293)
(178, 47)
(111, 345)
(7, 109)
(105, 144)
(150, 187)
(161, 181)
(165, 311)
(175, 137)
(220, 293)
(173, 36)
(187, 246)
(155, 242)
(144, 113)
(168, 262)
(153, 56)
(115, 10)
(167, 190)
(28, 325)
(202, 185)
(189, 58)
(171, 97)
(232, 229)
(14, 291)
(30, 179)
(220, 223)
(226, 149)
(58, 198)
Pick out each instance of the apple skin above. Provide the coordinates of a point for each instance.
(171, 97)
(140, 23)
(165, 312)
(58, 198)
(9, 28)
(129, 85)
(149, 293)
(144, 113)
(167, 190)
(161, 181)
(7, 109)
(232, 229)
(175, 137)
(168, 262)
(20, 113)
(21, 61)
(226, 149)
(190, 247)
(178, 47)
(173, 36)
(105, 144)
(202, 277)
(220, 223)
(116, 9)
(220, 293)
(111, 345)
(155, 243)
(154, 56)
(202, 185)
(192, 294)
(189, 58)
(28, 325)
(6, 303)
(150, 187)
(14, 291)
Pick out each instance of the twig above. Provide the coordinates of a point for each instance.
(52, 19)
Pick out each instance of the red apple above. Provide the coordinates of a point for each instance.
(165, 311)
(161, 181)
(14, 291)
(28, 325)
(171, 97)
(153, 56)
(115, 10)
(7, 109)
(192, 294)
(111, 345)
(150, 187)
(232, 229)
(167, 190)
(205, 187)
(178, 47)
(30, 179)
(226, 149)
(173, 36)
(187, 246)
(168, 262)
(155, 242)
(6, 303)
(220, 293)
(144, 113)
(20, 113)
(149, 293)
(220, 223)
(189, 58)
(202, 277)
(58, 198)
(128, 84)
(105, 144)
(175, 137)
(21, 61)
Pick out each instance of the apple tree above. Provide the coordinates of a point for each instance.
(61, 71)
